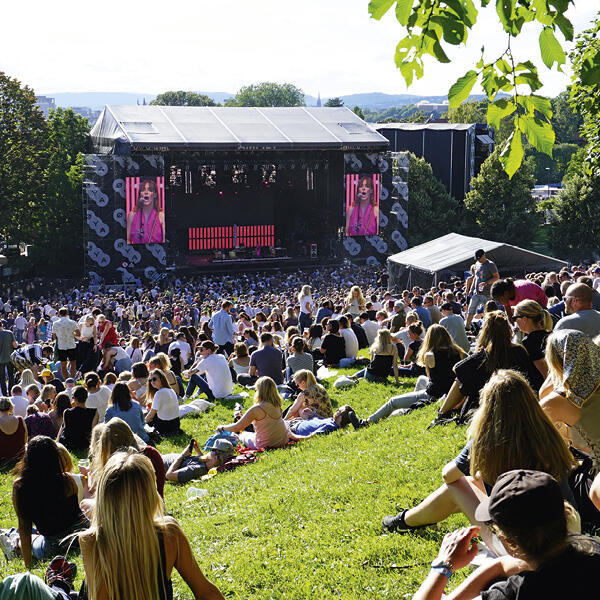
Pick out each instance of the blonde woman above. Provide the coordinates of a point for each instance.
(509, 431)
(131, 548)
(384, 359)
(306, 308)
(536, 323)
(438, 355)
(303, 380)
(28, 379)
(164, 413)
(355, 302)
(161, 361)
(270, 430)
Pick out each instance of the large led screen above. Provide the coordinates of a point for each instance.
(145, 198)
(362, 204)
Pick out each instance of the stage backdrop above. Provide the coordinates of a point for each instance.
(392, 168)
(108, 256)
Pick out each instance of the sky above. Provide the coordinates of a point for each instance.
(150, 46)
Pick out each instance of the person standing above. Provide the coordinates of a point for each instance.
(7, 371)
(64, 331)
(306, 308)
(222, 326)
(486, 273)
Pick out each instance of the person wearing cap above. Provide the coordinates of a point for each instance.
(527, 512)
(182, 468)
(486, 274)
(49, 378)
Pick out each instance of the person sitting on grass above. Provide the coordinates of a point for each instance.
(164, 414)
(333, 345)
(123, 406)
(270, 430)
(527, 511)
(78, 422)
(384, 359)
(313, 401)
(182, 468)
(217, 382)
(301, 380)
(299, 358)
(508, 431)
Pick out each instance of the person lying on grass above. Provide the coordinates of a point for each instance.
(527, 511)
(182, 468)
(315, 425)
(508, 431)
(270, 430)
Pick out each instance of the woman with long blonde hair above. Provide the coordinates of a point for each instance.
(131, 548)
(304, 379)
(355, 302)
(306, 308)
(384, 359)
(437, 355)
(536, 323)
(265, 415)
(509, 431)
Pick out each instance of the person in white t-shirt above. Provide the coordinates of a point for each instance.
(164, 414)
(217, 382)
(371, 327)
(183, 346)
(98, 394)
(306, 308)
(20, 403)
(64, 331)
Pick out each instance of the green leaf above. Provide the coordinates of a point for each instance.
(589, 72)
(403, 8)
(454, 31)
(512, 154)
(530, 79)
(505, 9)
(378, 8)
(565, 26)
(539, 133)
(439, 53)
(534, 103)
(460, 91)
(503, 66)
(489, 82)
(498, 110)
(551, 49)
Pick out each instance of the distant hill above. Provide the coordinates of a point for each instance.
(372, 101)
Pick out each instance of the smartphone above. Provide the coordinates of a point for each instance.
(191, 445)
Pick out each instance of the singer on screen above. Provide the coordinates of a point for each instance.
(362, 215)
(146, 220)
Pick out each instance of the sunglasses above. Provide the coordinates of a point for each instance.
(154, 379)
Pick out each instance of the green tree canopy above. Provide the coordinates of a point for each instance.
(182, 98)
(357, 110)
(268, 94)
(334, 102)
(432, 211)
(503, 209)
(575, 229)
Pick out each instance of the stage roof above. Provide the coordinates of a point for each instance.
(420, 126)
(454, 253)
(121, 129)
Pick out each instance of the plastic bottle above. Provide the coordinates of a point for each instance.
(194, 492)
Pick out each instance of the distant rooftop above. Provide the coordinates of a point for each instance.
(210, 128)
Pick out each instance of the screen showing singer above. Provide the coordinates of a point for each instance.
(362, 204)
(145, 198)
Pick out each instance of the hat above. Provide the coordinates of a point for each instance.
(522, 499)
(479, 253)
(46, 373)
(596, 270)
(221, 445)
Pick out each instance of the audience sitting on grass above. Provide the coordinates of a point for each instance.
(60, 403)
(384, 359)
(182, 468)
(13, 434)
(265, 362)
(163, 412)
(333, 346)
(98, 394)
(123, 406)
(78, 422)
(239, 361)
(131, 548)
(265, 415)
(161, 361)
(217, 382)
(310, 425)
(299, 357)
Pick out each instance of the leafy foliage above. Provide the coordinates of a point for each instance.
(391, 115)
(585, 96)
(503, 208)
(557, 165)
(431, 24)
(268, 94)
(334, 102)
(432, 211)
(182, 98)
(576, 223)
(357, 110)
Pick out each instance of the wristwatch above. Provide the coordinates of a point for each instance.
(442, 566)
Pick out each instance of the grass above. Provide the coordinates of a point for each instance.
(305, 522)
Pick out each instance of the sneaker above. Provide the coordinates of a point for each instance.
(356, 422)
(61, 572)
(7, 545)
(397, 522)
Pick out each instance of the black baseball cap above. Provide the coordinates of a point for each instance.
(522, 499)
(479, 253)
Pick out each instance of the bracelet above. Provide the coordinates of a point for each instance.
(443, 570)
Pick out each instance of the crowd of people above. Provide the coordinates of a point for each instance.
(517, 360)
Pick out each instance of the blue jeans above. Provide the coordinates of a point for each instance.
(199, 382)
(124, 364)
(346, 362)
(304, 321)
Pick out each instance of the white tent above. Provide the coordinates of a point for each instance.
(427, 264)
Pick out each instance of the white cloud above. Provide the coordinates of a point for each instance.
(331, 46)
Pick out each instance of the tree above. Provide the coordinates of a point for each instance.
(334, 102)
(575, 228)
(432, 211)
(268, 94)
(24, 158)
(357, 110)
(565, 121)
(416, 117)
(60, 225)
(502, 208)
(182, 98)
(585, 91)
(430, 24)
(557, 165)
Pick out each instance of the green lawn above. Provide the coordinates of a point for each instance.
(305, 522)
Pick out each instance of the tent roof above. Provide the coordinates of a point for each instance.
(251, 128)
(454, 250)
(420, 126)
